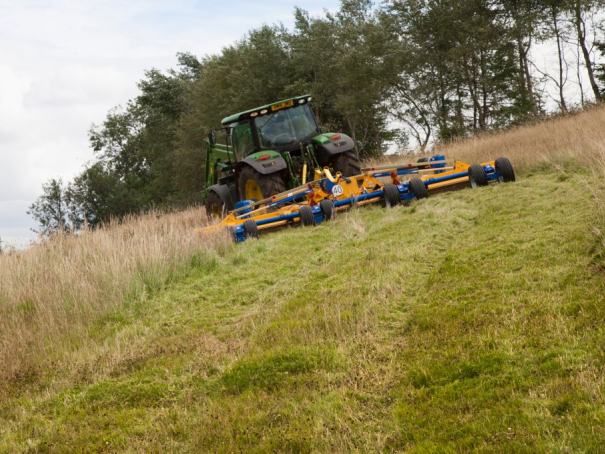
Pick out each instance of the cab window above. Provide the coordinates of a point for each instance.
(241, 135)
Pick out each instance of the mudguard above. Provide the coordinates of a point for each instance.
(331, 144)
(226, 195)
(274, 164)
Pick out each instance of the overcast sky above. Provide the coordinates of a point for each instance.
(65, 63)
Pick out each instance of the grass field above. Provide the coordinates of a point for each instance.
(469, 321)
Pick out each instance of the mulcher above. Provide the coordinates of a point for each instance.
(320, 199)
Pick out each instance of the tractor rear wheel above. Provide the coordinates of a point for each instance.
(505, 168)
(346, 163)
(417, 188)
(477, 176)
(256, 186)
(215, 206)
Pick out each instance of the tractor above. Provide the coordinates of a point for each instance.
(269, 150)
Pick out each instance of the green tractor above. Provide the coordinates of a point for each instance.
(269, 150)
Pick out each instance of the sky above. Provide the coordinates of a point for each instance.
(65, 63)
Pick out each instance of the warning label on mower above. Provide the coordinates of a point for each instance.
(337, 190)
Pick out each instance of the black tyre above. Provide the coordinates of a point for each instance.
(477, 176)
(231, 231)
(250, 229)
(253, 185)
(505, 168)
(327, 209)
(306, 216)
(390, 195)
(215, 206)
(346, 163)
(418, 189)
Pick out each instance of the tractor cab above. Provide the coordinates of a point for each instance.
(280, 127)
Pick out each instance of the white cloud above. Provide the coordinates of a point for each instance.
(65, 63)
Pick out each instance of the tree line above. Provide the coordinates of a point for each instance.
(400, 73)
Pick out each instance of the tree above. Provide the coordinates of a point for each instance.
(579, 9)
(600, 69)
(51, 209)
(457, 68)
(345, 61)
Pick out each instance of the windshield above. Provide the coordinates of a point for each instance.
(286, 127)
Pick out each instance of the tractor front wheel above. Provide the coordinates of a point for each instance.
(346, 163)
(253, 185)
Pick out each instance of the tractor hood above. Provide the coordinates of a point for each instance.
(332, 143)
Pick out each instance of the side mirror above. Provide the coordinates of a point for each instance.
(211, 138)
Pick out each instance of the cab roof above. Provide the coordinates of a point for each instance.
(273, 107)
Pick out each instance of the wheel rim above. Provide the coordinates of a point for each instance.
(253, 191)
(216, 210)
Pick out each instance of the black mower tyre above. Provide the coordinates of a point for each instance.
(327, 209)
(267, 185)
(346, 163)
(390, 195)
(306, 216)
(250, 229)
(505, 168)
(421, 160)
(418, 189)
(477, 176)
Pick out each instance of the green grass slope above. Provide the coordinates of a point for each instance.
(470, 321)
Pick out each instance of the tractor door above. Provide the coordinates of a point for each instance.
(243, 143)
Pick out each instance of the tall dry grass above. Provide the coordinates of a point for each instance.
(53, 293)
(576, 138)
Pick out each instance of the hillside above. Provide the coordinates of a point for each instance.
(469, 321)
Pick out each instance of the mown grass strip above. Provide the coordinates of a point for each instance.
(471, 321)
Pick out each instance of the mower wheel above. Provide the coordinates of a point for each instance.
(427, 166)
(390, 195)
(418, 189)
(346, 163)
(505, 168)
(327, 209)
(477, 176)
(250, 229)
(306, 216)
(215, 206)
